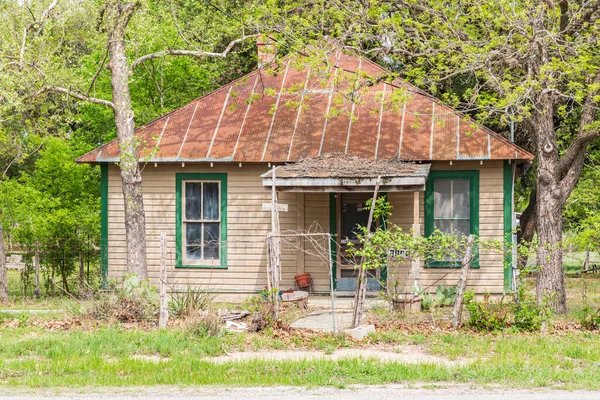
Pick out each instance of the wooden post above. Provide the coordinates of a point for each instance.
(36, 266)
(163, 319)
(462, 284)
(81, 273)
(416, 262)
(275, 247)
(361, 284)
(300, 222)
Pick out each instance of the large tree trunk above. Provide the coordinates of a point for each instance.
(527, 226)
(3, 272)
(551, 280)
(550, 201)
(131, 177)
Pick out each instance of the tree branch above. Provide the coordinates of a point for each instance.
(75, 95)
(584, 136)
(190, 53)
(35, 22)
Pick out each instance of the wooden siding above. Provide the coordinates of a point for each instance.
(248, 226)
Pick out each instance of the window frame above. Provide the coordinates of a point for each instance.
(473, 177)
(180, 241)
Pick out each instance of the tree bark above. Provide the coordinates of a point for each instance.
(550, 286)
(3, 272)
(131, 177)
(527, 225)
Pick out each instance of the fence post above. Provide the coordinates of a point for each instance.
(36, 266)
(164, 305)
(462, 284)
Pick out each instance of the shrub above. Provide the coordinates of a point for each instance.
(189, 301)
(524, 315)
(133, 301)
(590, 318)
(203, 324)
(487, 316)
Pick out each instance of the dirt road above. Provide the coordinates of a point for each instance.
(283, 393)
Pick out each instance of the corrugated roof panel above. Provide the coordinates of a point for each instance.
(309, 131)
(207, 119)
(473, 144)
(416, 140)
(364, 130)
(224, 125)
(223, 142)
(444, 141)
(251, 143)
(176, 129)
(391, 123)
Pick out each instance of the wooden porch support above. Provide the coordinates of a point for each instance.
(416, 227)
(300, 222)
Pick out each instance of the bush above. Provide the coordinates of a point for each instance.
(590, 318)
(486, 316)
(132, 301)
(189, 301)
(203, 324)
(525, 315)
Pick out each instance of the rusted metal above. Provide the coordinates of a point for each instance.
(293, 114)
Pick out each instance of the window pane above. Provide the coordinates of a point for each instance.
(211, 241)
(444, 226)
(460, 198)
(441, 198)
(211, 201)
(462, 227)
(192, 200)
(193, 239)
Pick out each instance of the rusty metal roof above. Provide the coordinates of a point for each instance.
(295, 114)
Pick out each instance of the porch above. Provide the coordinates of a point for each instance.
(330, 195)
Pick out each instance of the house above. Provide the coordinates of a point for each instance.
(208, 171)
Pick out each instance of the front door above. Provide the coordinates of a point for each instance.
(352, 215)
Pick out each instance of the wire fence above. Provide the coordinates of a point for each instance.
(59, 266)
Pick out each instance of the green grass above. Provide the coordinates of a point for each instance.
(31, 356)
(113, 356)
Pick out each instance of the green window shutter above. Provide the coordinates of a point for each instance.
(179, 179)
(473, 177)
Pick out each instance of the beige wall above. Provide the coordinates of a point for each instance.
(248, 227)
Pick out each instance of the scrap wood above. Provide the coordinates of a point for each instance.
(234, 315)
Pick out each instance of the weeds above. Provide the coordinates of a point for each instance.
(133, 300)
(189, 301)
(525, 315)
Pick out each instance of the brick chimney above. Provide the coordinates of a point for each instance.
(266, 50)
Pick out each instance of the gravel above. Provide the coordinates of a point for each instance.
(264, 393)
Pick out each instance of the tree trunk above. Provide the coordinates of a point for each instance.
(527, 226)
(551, 280)
(131, 177)
(3, 272)
(550, 285)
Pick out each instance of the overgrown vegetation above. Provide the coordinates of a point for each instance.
(523, 314)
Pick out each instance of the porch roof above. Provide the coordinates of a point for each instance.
(346, 173)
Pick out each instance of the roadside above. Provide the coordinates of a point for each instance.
(415, 392)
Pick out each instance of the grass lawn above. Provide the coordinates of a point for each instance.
(35, 352)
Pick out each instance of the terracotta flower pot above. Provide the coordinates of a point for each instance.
(303, 280)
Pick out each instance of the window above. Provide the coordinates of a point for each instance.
(201, 220)
(452, 206)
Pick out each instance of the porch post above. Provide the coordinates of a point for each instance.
(416, 262)
(300, 223)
